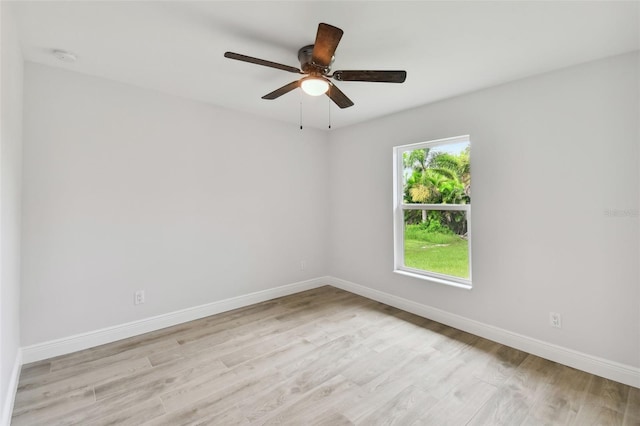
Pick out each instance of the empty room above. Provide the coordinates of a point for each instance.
(320, 213)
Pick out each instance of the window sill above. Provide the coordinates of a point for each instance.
(433, 279)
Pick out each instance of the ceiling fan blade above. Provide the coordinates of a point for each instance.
(283, 90)
(245, 58)
(327, 39)
(338, 97)
(375, 76)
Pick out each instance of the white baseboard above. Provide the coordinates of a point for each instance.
(7, 404)
(91, 339)
(601, 367)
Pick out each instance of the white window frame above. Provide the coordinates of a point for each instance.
(398, 216)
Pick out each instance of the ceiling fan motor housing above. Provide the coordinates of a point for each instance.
(308, 66)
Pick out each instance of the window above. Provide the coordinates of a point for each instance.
(432, 210)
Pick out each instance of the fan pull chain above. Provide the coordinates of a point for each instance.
(300, 109)
(329, 113)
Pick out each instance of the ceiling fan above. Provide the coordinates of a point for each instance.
(315, 63)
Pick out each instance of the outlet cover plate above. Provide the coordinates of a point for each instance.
(138, 297)
(555, 320)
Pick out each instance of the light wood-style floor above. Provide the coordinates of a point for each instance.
(322, 357)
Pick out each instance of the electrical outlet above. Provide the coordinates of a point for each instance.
(555, 320)
(138, 297)
(303, 265)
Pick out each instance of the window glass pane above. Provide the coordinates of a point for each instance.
(432, 193)
(437, 175)
(436, 241)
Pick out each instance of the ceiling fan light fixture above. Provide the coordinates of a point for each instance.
(314, 86)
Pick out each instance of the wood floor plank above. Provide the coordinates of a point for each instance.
(93, 365)
(517, 396)
(230, 326)
(198, 388)
(373, 364)
(325, 362)
(137, 347)
(563, 398)
(404, 333)
(199, 365)
(403, 409)
(343, 322)
(320, 357)
(44, 409)
(230, 417)
(271, 400)
(34, 370)
(419, 337)
(388, 384)
(596, 414)
(632, 411)
(112, 405)
(496, 373)
(459, 406)
(54, 385)
(133, 415)
(210, 399)
(329, 419)
(312, 405)
(607, 393)
(503, 408)
(258, 347)
(282, 356)
(605, 402)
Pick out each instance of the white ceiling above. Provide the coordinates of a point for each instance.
(447, 48)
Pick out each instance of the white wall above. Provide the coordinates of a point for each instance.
(10, 170)
(128, 189)
(550, 155)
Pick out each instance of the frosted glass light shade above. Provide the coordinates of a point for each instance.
(314, 86)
